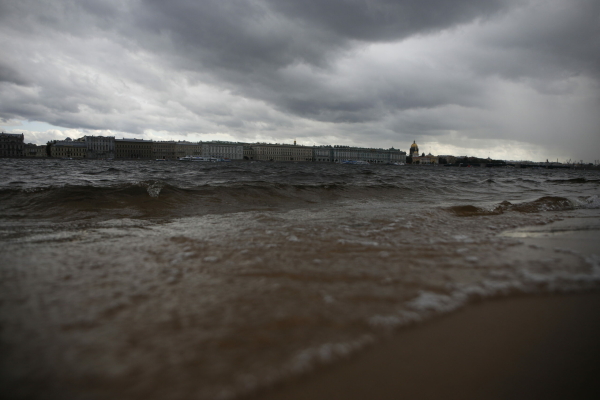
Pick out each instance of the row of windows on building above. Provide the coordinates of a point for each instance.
(11, 145)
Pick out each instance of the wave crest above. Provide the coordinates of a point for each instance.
(546, 203)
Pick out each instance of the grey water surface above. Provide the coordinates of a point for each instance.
(175, 280)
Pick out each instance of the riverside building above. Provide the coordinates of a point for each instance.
(188, 149)
(280, 152)
(133, 149)
(338, 154)
(164, 150)
(69, 148)
(100, 147)
(11, 144)
(108, 147)
(35, 151)
(232, 151)
(428, 159)
(372, 156)
(322, 153)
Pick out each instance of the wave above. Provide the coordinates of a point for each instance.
(179, 189)
(470, 211)
(546, 203)
(157, 198)
(109, 171)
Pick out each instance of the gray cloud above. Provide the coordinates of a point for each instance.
(385, 20)
(352, 69)
(10, 74)
(548, 41)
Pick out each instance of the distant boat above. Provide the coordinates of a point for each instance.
(397, 163)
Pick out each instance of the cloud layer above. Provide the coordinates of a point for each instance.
(520, 75)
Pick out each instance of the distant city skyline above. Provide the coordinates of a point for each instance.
(60, 134)
(506, 79)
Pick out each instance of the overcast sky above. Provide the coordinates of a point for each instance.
(510, 79)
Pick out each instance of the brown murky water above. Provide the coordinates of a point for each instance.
(185, 281)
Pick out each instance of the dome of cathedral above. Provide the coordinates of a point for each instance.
(414, 149)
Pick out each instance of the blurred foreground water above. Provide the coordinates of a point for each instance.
(177, 280)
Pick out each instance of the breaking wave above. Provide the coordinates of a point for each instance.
(547, 203)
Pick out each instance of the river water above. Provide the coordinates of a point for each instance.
(190, 280)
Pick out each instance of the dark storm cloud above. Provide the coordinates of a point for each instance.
(554, 40)
(10, 74)
(379, 66)
(248, 46)
(252, 48)
(246, 35)
(384, 20)
(244, 46)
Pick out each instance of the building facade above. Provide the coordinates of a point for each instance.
(133, 149)
(372, 156)
(100, 147)
(12, 144)
(248, 152)
(69, 148)
(322, 153)
(164, 150)
(281, 152)
(428, 159)
(231, 151)
(337, 154)
(447, 159)
(188, 149)
(35, 151)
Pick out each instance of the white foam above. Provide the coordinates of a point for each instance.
(123, 222)
(154, 189)
(433, 302)
(307, 359)
(590, 202)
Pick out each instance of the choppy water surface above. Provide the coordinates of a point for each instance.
(206, 280)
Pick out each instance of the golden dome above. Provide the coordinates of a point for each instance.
(413, 145)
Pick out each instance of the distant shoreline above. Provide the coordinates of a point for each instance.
(474, 165)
